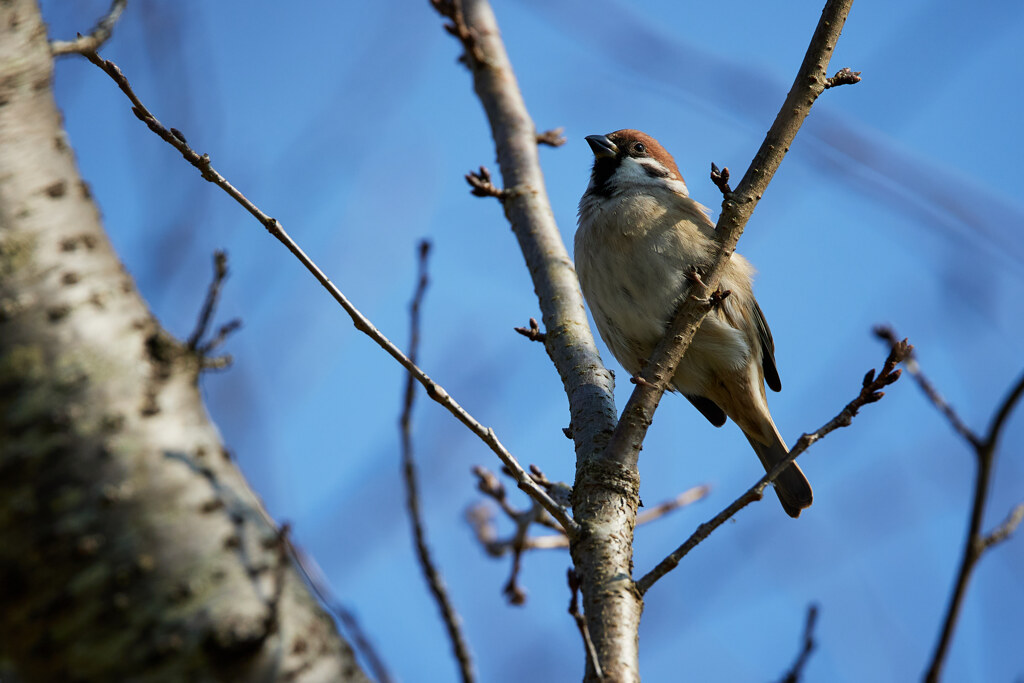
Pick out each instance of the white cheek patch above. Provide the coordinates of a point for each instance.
(634, 172)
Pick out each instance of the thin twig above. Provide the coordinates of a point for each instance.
(581, 623)
(1005, 408)
(490, 485)
(435, 391)
(460, 646)
(515, 593)
(871, 391)
(797, 669)
(687, 497)
(888, 334)
(220, 273)
(95, 38)
(1004, 530)
(223, 333)
(481, 519)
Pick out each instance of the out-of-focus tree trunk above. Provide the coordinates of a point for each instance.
(132, 547)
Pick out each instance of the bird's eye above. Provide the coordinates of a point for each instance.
(639, 148)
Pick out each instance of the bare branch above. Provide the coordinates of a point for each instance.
(889, 335)
(452, 622)
(607, 484)
(1004, 530)
(581, 624)
(99, 34)
(607, 494)
(871, 391)
(223, 333)
(977, 542)
(515, 593)
(481, 519)
(490, 485)
(687, 497)
(797, 669)
(435, 391)
(220, 272)
(1005, 408)
(809, 83)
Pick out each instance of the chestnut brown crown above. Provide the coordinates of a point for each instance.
(636, 143)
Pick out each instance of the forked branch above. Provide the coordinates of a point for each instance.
(977, 541)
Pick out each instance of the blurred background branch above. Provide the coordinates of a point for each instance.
(977, 541)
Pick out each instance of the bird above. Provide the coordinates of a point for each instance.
(641, 241)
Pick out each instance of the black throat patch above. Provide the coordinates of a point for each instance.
(604, 169)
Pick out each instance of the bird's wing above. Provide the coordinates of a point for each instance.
(764, 334)
(708, 409)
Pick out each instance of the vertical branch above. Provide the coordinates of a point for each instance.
(220, 272)
(412, 500)
(807, 647)
(977, 541)
(606, 495)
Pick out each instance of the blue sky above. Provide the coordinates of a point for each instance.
(353, 125)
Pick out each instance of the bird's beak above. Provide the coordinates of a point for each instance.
(602, 146)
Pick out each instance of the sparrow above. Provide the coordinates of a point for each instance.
(641, 240)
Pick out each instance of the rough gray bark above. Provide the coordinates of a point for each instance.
(132, 546)
(605, 494)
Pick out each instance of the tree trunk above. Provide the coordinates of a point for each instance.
(132, 546)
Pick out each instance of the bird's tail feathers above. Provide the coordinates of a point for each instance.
(791, 485)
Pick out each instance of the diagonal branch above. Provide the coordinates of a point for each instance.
(362, 323)
(737, 208)
(99, 34)
(604, 494)
(889, 335)
(871, 391)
